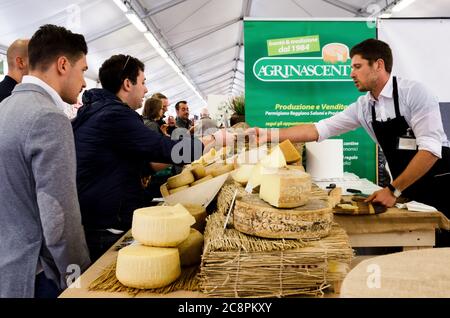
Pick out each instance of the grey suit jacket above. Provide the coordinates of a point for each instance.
(40, 217)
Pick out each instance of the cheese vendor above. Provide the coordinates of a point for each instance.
(400, 115)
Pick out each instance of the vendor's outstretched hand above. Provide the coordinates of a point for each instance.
(383, 196)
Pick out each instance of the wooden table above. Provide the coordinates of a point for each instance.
(410, 230)
(394, 228)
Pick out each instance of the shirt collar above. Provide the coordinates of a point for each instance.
(50, 90)
(385, 92)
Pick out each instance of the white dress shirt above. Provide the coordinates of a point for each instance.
(417, 105)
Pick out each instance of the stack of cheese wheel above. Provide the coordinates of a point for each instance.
(162, 233)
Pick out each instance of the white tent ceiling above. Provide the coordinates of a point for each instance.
(203, 37)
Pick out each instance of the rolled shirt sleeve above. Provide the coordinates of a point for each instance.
(426, 121)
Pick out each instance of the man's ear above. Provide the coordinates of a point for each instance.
(62, 64)
(20, 63)
(126, 85)
(380, 65)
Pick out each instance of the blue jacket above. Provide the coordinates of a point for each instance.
(112, 148)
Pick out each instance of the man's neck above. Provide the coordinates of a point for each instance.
(15, 75)
(48, 79)
(381, 83)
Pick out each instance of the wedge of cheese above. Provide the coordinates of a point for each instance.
(161, 226)
(191, 249)
(285, 188)
(275, 159)
(290, 153)
(140, 266)
(254, 180)
(243, 173)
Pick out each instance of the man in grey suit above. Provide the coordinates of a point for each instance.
(42, 244)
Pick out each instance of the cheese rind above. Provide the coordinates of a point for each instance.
(180, 180)
(222, 169)
(161, 226)
(199, 213)
(140, 266)
(205, 178)
(285, 188)
(198, 171)
(172, 191)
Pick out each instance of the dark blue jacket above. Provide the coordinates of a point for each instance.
(112, 147)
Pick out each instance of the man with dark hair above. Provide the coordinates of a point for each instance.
(182, 119)
(17, 58)
(402, 116)
(42, 240)
(113, 146)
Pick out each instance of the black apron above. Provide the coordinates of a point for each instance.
(432, 188)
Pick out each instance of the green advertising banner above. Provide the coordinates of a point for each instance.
(299, 72)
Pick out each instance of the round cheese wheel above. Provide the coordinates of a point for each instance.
(199, 213)
(222, 169)
(140, 266)
(191, 249)
(172, 191)
(198, 171)
(161, 226)
(206, 178)
(180, 180)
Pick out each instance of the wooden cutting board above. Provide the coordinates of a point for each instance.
(357, 206)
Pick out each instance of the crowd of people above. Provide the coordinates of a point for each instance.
(70, 186)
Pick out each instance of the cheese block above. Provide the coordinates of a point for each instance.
(243, 173)
(199, 213)
(191, 249)
(285, 188)
(335, 52)
(255, 177)
(161, 226)
(222, 169)
(206, 178)
(253, 216)
(182, 179)
(275, 159)
(172, 191)
(290, 153)
(198, 171)
(140, 266)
